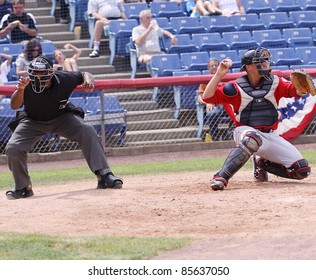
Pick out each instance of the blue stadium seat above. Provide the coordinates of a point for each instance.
(48, 48)
(303, 18)
(217, 24)
(280, 67)
(306, 54)
(239, 40)
(164, 23)
(284, 5)
(164, 65)
(285, 56)
(209, 42)
(196, 61)
(166, 9)
(120, 32)
(257, 7)
(12, 49)
(187, 25)
(132, 10)
(271, 38)
(302, 66)
(307, 5)
(185, 96)
(184, 44)
(298, 37)
(232, 54)
(276, 20)
(248, 22)
(12, 76)
(79, 102)
(114, 116)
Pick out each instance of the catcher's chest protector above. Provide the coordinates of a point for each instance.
(258, 105)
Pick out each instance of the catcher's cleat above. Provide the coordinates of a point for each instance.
(218, 183)
(16, 194)
(109, 181)
(259, 174)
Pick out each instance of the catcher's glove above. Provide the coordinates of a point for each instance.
(303, 82)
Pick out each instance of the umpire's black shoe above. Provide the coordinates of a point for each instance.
(109, 181)
(16, 194)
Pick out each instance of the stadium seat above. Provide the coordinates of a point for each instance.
(285, 56)
(209, 42)
(166, 9)
(306, 54)
(184, 44)
(257, 7)
(248, 22)
(12, 49)
(185, 96)
(298, 37)
(307, 5)
(187, 25)
(217, 24)
(164, 65)
(303, 18)
(48, 48)
(302, 66)
(276, 20)
(280, 67)
(232, 54)
(113, 116)
(164, 23)
(284, 5)
(120, 32)
(239, 40)
(132, 10)
(79, 102)
(271, 38)
(196, 61)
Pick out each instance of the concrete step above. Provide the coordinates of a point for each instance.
(39, 11)
(140, 105)
(53, 27)
(96, 69)
(31, 5)
(58, 36)
(154, 124)
(45, 20)
(115, 75)
(160, 114)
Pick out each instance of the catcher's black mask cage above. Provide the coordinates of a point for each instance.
(40, 71)
(257, 56)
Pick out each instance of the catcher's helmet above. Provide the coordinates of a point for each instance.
(40, 71)
(257, 56)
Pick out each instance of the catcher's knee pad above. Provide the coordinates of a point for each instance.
(251, 142)
(298, 170)
(240, 154)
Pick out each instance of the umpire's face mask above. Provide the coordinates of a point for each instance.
(40, 80)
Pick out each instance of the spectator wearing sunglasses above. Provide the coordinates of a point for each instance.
(18, 25)
(31, 50)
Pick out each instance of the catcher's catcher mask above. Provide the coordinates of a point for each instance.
(258, 57)
(40, 71)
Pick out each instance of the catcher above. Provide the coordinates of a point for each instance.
(251, 101)
(44, 95)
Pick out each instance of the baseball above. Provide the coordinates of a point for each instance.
(228, 62)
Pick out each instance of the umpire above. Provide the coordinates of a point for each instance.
(44, 95)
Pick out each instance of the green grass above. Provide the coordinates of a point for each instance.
(43, 247)
(15, 246)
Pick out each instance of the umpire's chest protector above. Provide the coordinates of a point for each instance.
(258, 106)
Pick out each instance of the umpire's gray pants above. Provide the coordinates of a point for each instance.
(70, 126)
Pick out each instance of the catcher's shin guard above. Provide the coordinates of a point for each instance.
(238, 157)
(298, 170)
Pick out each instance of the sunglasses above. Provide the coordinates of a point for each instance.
(18, 7)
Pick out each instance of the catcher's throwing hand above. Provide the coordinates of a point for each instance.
(303, 82)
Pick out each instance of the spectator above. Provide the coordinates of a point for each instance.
(64, 12)
(5, 67)
(191, 8)
(229, 7)
(213, 113)
(146, 37)
(31, 50)
(207, 8)
(20, 26)
(5, 8)
(67, 64)
(103, 12)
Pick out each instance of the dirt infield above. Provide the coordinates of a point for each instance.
(275, 220)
